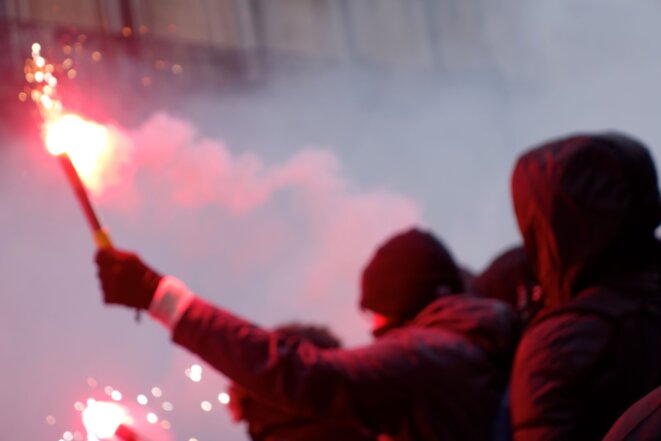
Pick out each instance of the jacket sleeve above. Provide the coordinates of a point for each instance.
(552, 374)
(364, 382)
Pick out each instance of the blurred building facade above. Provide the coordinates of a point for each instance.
(147, 46)
(442, 34)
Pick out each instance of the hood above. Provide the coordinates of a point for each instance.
(587, 207)
(489, 323)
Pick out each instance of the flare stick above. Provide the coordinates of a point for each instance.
(101, 237)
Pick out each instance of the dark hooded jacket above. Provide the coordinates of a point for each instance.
(587, 207)
(438, 378)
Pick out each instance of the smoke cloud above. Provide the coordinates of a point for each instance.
(299, 226)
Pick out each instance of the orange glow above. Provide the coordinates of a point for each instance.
(101, 419)
(87, 144)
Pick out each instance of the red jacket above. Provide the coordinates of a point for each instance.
(438, 378)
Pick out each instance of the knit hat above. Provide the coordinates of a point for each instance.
(408, 272)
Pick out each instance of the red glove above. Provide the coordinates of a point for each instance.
(125, 279)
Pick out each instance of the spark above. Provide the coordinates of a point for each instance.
(206, 406)
(79, 406)
(156, 391)
(167, 406)
(67, 436)
(152, 418)
(116, 395)
(142, 399)
(224, 398)
(194, 373)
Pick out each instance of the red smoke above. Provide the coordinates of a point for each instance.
(300, 224)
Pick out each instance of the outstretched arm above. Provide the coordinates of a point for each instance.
(365, 382)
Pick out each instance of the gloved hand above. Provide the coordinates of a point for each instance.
(125, 279)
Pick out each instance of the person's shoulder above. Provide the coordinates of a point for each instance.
(568, 338)
(468, 306)
(559, 327)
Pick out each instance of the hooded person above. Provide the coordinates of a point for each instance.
(434, 372)
(587, 207)
(267, 422)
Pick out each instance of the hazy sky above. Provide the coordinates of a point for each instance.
(268, 202)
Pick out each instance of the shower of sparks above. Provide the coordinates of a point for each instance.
(102, 417)
(42, 84)
(87, 143)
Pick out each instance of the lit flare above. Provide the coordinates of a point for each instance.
(85, 142)
(102, 419)
(79, 145)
